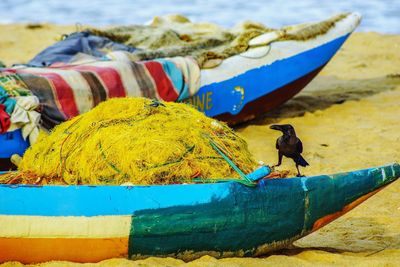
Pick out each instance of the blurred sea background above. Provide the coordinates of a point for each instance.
(378, 15)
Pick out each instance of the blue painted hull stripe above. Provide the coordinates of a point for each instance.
(101, 200)
(125, 200)
(268, 78)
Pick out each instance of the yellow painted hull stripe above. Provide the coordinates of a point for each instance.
(64, 227)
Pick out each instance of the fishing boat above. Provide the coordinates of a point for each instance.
(241, 88)
(93, 223)
(269, 73)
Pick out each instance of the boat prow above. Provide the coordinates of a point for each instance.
(271, 72)
(93, 223)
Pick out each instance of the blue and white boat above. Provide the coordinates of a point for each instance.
(249, 84)
(265, 76)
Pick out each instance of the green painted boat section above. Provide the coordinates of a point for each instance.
(275, 212)
(330, 194)
(244, 219)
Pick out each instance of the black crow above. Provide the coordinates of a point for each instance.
(289, 145)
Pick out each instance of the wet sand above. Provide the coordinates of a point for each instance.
(348, 118)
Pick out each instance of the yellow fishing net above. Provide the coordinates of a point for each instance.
(138, 141)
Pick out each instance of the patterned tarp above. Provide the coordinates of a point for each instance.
(68, 90)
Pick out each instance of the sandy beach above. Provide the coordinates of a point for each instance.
(348, 118)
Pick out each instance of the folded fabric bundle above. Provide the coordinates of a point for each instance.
(9, 103)
(18, 107)
(78, 42)
(26, 117)
(66, 91)
(13, 84)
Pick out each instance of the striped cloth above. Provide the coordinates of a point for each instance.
(65, 91)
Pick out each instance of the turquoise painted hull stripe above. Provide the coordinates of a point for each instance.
(101, 200)
(123, 200)
(266, 79)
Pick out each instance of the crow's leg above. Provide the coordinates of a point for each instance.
(298, 172)
(280, 155)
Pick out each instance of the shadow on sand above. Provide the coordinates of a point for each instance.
(325, 91)
(353, 234)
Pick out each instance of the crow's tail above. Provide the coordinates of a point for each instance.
(301, 161)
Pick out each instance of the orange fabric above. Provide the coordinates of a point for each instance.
(35, 250)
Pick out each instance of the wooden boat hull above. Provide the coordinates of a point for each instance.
(93, 223)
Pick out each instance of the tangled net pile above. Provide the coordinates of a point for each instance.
(209, 44)
(135, 140)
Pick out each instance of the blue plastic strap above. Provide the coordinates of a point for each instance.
(259, 173)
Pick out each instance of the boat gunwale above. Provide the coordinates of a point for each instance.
(219, 182)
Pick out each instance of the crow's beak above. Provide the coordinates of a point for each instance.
(276, 127)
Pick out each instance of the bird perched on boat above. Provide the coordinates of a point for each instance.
(289, 145)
